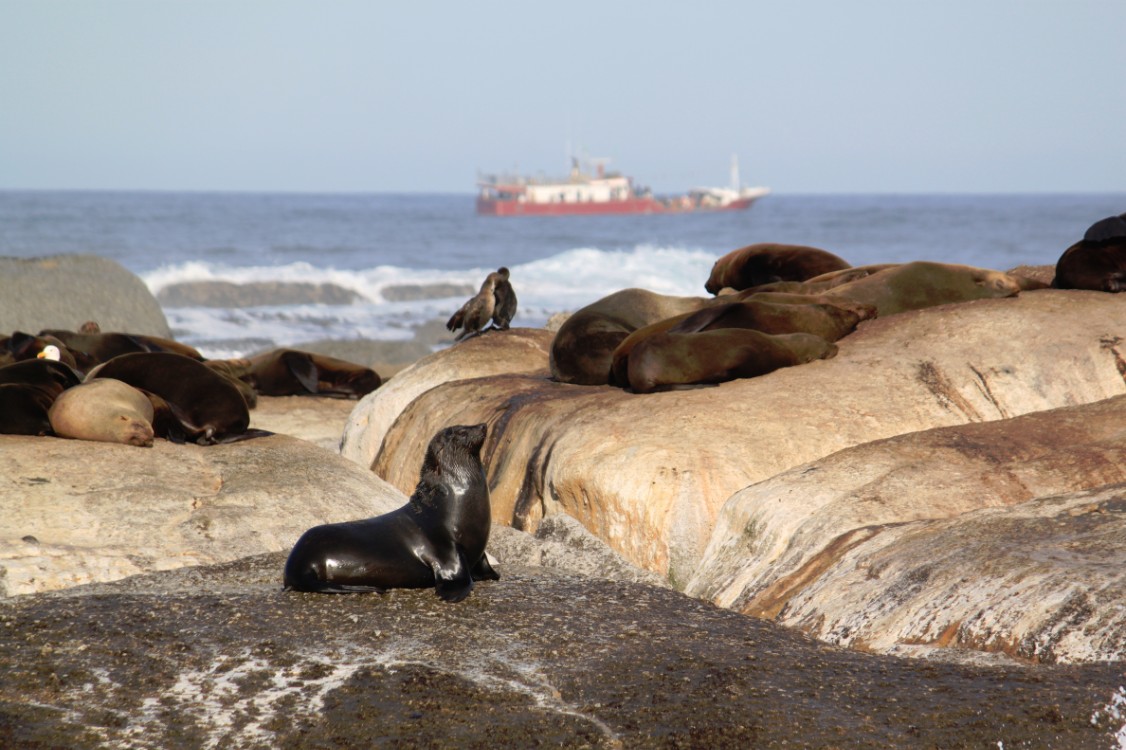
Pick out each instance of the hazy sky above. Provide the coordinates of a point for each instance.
(814, 96)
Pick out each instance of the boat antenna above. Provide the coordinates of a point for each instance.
(734, 171)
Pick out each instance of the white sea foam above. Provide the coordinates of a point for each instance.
(563, 282)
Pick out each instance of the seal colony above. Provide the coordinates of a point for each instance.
(436, 540)
(189, 398)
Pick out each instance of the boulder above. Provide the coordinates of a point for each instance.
(941, 537)
(68, 520)
(64, 291)
(649, 473)
(492, 353)
(220, 656)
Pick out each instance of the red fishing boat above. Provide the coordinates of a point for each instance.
(584, 194)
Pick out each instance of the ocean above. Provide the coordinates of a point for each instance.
(375, 245)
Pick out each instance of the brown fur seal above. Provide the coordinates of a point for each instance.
(20, 346)
(920, 284)
(437, 539)
(104, 410)
(476, 313)
(767, 262)
(232, 369)
(290, 372)
(666, 361)
(828, 321)
(191, 402)
(27, 390)
(1098, 261)
(92, 349)
(584, 345)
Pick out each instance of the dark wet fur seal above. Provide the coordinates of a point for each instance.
(20, 346)
(437, 539)
(192, 403)
(667, 361)
(291, 372)
(93, 349)
(768, 262)
(1098, 261)
(27, 390)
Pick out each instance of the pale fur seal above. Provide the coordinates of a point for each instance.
(437, 539)
(104, 410)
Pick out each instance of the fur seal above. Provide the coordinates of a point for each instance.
(27, 390)
(767, 262)
(290, 372)
(829, 321)
(104, 410)
(920, 284)
(667, 361)
(92, 349)
(190, 401)
(583, 348)
(437, 539)
(476, 313)
(1098, 261)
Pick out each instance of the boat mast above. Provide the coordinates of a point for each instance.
(735, 172)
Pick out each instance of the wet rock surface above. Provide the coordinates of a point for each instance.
(220, 656)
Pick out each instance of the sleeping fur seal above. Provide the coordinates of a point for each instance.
(767, 262)
(291, 372)
(27, 390)
(190, 401)
(584, 345)
(92, 349)
(1098, 261)
(828, 321)
(920, 284)
(666, 361)
(437, 539)
(104, 410)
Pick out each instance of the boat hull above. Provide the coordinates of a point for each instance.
(495, 207)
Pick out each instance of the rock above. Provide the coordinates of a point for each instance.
(254, 294)
(648, 474)
(68, 520)
(414, 292)
(64, 291)
(855, 548)
(316, 419)
(514, 350)
(219, 656)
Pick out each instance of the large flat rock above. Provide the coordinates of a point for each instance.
(1004, 536)
(220, 656)
(649, 474)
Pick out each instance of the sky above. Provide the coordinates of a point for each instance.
(814, 96)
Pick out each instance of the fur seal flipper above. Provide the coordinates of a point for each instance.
(436, 540)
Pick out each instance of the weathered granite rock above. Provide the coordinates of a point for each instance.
(649, 473)
(492, 353)
(78, 511)
(64, 291)
(219, 656)
(790, 547)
